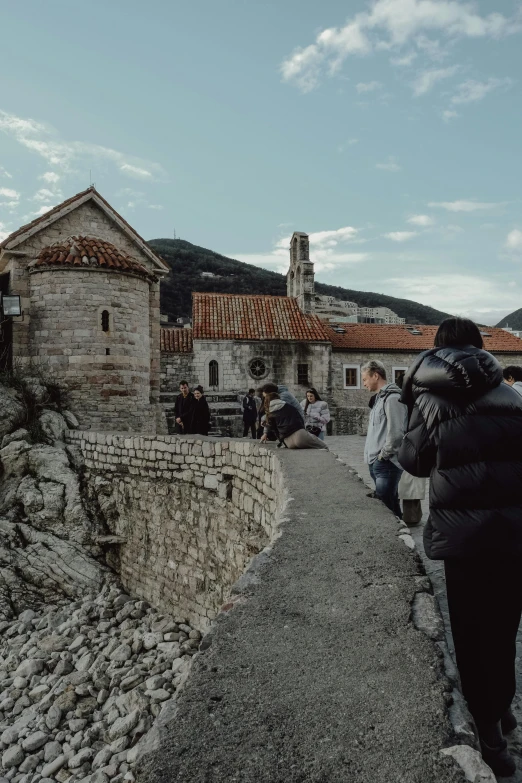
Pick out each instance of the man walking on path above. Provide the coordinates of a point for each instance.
(386, 428)
(183, 409)
(513, 377)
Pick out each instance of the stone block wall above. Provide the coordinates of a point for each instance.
(191, 512)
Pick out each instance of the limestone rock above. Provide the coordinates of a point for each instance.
(123, 726)
(12, 757)
(12, 411)
(71, 420)
(34, 741)
(471, 762)
(21, 434)
(426, 616)
(53, 425)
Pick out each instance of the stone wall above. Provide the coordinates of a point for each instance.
(190, 512)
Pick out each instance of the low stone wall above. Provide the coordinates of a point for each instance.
(187, 514)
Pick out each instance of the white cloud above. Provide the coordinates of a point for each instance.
(363, 87)
(67, 155)
(43, 209)
(51, 177)
(391, 24)
(463, 206)
(448, 115)
(326, 251)
(461, 294)
(348, 143)
(44, 194)
(405, 61)
(158, 207)
(400, 236)
(391, 165)
(514, 240)
(471, 91)
(3, 232)
(426, 80)
(8, 193)
(421, 220)
(5, 173)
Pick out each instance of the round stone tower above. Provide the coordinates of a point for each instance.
(90, 325)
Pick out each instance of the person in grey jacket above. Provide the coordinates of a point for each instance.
(386, 429)
(285, 395)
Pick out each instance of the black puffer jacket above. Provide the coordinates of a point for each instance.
(465, 433)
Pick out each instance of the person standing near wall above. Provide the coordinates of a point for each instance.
(316, 413)
(513, 377)
(200, 424)
(249, 406)
(183, 409)
(464, 432)
(386, 428)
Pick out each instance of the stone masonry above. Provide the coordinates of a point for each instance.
(190, 513)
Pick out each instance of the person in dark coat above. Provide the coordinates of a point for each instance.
(249, 406)
(465, 431)
(183, 409)
(200, 423)
(286, 422)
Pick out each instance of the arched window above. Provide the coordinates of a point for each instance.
(105, 321)
(213, 374)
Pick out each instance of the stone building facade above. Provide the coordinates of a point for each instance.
(89, 288)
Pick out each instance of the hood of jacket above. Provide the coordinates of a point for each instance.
(276, 405)
(460, 373)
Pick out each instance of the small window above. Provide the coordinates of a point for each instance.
(302, 375)
(398, 374)
(105, 321)
(257, 368)
(213, 374)
(352, 376)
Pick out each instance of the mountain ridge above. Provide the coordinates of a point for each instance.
(514, 320)
(188, 261)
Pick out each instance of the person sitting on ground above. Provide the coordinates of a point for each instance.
(285, 395)
(316, 413)
(200, 413)
(285, 421)
(464, 432)
(249, 405)
(513, 377)
(183, 409)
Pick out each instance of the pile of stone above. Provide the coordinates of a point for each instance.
(82, 682)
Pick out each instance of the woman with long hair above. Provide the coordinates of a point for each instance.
(464, 432)
(316, 413)
(201, 413)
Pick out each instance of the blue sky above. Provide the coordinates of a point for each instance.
(389, 131)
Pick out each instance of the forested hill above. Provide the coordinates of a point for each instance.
(187, 261)
(514, 320)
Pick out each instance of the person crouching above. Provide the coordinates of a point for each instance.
(287, 423)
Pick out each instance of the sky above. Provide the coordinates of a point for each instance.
(387, 130)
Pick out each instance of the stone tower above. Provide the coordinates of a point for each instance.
(300, 276)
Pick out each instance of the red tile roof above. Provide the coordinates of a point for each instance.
(395, 337)
(92, 192)
(88, 252)
(238, 317)
(176, 340)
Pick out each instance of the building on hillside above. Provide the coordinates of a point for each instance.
(339, 310)
(241, 341)
(89, 287)
(516, 332)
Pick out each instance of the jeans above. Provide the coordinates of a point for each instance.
(386, 476)
(321, 435)
(485, 604)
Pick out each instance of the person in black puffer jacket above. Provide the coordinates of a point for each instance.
(465, 433)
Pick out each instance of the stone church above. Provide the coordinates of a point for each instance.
(89, 288)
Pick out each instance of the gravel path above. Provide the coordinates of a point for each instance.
(350, 449)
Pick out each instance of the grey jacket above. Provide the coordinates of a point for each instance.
(290, 399)
(387, 426)
(517, 386)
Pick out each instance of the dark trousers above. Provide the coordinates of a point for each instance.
(249, 425)
(485, 604)
(386, 476)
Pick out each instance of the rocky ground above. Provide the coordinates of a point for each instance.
(82, 682)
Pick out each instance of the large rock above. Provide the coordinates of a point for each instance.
(53, 426)
(12, 410)
(472, 764)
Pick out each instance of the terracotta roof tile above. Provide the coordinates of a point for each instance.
(89, 252)
(176, 340)
(238, 317)
(395, 337)
(59, 207)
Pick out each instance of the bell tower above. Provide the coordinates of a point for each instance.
(300, 276)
